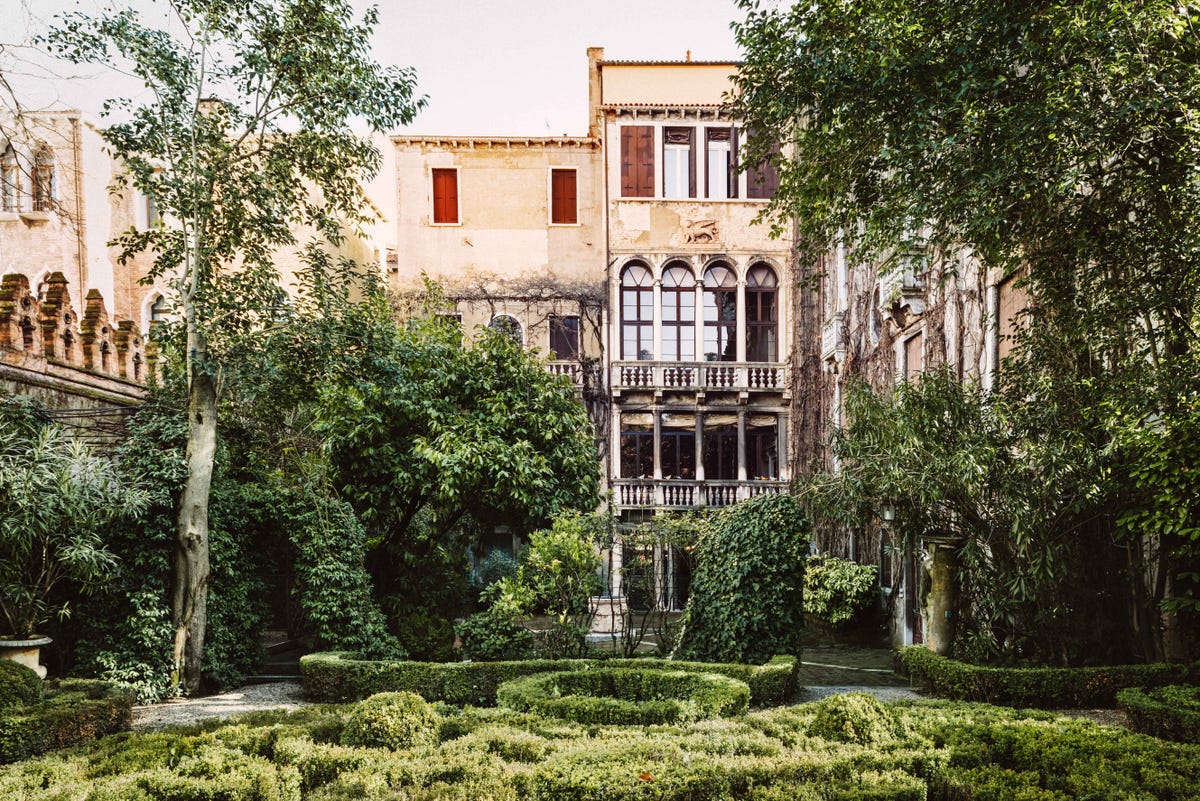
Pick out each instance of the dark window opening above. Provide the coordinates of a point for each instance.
(678, 453)
(720, 315)
(564, 337)
(761, 336)
(720, 452)
(637, 313)
(762, 451)
(637, 451)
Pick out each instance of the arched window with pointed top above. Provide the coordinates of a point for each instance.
(678, 313)
(637, 313)
(10, 180)
(720, 314)
(44, 189)
(761, 314)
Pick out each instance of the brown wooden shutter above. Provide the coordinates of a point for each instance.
(563, 197)
(645, 161)
(627, 159)
(445, 196)
(733, 162)
(763, 181)
(692, 162)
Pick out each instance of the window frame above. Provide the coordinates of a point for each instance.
(731, 173)
(10, 180)
(557, 320)
(574, 221)
(43, 187)
(644, 328)
(516, 332)
(679, 331)
(688, 192)
(754, 322)
(728, 326)
(433, 195)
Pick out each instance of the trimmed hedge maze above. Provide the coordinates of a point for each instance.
(848, 751)
(1172, 713)
(339, 677)
(626, 696)
(72, 711)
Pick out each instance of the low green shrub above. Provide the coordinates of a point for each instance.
(626, 696)
(1171, 712)
(74, 710)
(339, 677)
(392, 720)
(19, 685)
(426, 637)
(855, 718)
(1050, 688)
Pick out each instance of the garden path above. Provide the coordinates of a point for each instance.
(188, 711)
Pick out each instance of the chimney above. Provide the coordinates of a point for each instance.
(595, 91)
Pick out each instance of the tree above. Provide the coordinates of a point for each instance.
(1058, 139)
(245, 138)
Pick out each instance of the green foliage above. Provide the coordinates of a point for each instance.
(1171, 712)
(855, 718)
(429, 638)
(73, 711)
(340, 677)
(560, 566)
(1047, 688)
(837, 591)
(746, 600)
(1058, 141)
(58, 501)
(19, 685)
(940, 751)
(333, 586)
(626, 696)
(497, 564)
(391, 720)
(496, 633)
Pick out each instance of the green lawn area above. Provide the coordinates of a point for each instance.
(843, 749)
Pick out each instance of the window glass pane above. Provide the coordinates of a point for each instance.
(718, 170)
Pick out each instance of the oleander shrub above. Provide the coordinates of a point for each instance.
(838, 591)
(1050, 688)
(1171, 712)
(19, 685)
(855, 718)
(72, 711)
(391, 720)
(339, 677)
(626, 696)
(746, 600)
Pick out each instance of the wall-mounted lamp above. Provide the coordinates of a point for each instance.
(887, 512)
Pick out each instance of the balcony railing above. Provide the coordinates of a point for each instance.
(572, 370)
(697, 376)
(645, 493)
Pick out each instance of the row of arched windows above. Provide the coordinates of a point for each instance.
(718, 321)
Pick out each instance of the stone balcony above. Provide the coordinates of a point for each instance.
(647, 493)
(742, 377)
(571, 369)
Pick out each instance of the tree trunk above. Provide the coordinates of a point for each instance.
(189, 603)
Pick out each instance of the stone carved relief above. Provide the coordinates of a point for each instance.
(700, 232)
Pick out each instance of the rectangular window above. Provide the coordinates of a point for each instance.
(679, 163)
(637, 449)
(762, 449)
(914, 361)
(564, 337)
(564, 208)
(720, 452)
(445, 196)
(678, 454)
(721, 156)
(762, 180)
(637, 161)
(11, 181)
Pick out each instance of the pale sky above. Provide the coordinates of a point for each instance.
(489, 67)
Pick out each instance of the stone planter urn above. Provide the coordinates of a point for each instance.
(26, 652)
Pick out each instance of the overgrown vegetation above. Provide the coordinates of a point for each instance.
(747, 593)
(838, 592)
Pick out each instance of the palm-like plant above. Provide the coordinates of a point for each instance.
(56, 499)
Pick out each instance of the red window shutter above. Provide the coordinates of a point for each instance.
(445, 196)
(645, 161)
(628, 189)
(563, 209)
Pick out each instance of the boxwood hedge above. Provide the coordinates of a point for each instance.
(1047, 688)
(73, 710)
(339, 677)
(943, 751)
(1172, 712)
(626, 696)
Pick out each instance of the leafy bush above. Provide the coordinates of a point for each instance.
(429, 638)
(836, 591)
(74, 710)
(1170, 712)
(1051, 688)
(340, 677)
(626, 696)
(497, 564)
(19, 685)
(746, 601)
(391, 720)
(854, 718)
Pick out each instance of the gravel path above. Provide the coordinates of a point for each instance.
(187, 711)
(882, 693)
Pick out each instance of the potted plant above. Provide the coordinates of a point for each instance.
(56, 499)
